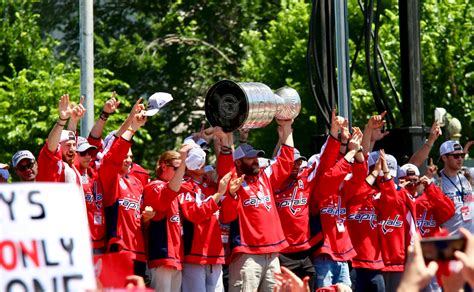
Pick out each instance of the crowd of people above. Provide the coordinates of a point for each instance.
(346, 218)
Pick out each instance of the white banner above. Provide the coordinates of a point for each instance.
(44, 238)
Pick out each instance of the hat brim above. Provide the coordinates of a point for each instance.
(83, 148)
(151, 112)
(255, 153)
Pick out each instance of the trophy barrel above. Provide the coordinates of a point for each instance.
(233, 105)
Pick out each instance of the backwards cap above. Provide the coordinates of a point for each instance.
(449, 146)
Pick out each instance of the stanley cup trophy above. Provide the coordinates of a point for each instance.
(248, 105)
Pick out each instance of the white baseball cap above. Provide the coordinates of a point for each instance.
(450, 146)
(20, 155)
(408, 170)
(83, 145)
(156, 102)
(196, 158)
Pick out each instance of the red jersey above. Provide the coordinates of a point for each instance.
(361, 202)
(201, 229)
(163, 232)
(396, 214)
(433, 208)
(302, 230)
(122, 196)
(93, 198)
(332, 209)
(52, 168)
(94, 205)
(255, 226)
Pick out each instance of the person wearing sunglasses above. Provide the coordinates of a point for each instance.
(25, 165)
(456, 186)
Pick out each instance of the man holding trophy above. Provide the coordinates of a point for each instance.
(256, 236)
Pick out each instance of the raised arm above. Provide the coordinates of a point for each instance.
(64, 111)
(109, 108)
(375, 122)
(420, 156)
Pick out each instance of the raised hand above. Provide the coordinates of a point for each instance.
(345, 133)
(385, 168)
(78, 111)
(64, 107)
(468, 146)
(183, 151)
(111, 104)
(137, 108)
(432, 169)
(356, 139)
(336, 123)
(377, 121)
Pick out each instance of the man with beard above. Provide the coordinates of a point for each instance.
(456, 186)
(25, 165)
(55, 161)
(256, 236)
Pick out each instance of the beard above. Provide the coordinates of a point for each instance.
(250, 169)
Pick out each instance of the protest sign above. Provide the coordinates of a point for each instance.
(44, 238)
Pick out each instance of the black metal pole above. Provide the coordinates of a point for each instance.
(412, 93)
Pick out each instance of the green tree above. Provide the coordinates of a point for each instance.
(32, 81)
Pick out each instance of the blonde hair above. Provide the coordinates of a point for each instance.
(166, 158)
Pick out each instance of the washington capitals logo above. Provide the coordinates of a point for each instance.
(364, 216)
(424, 225)
(338, 211)
(293, 202)
(256, 201)
(386, 224)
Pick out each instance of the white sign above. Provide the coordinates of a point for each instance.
(44, 238)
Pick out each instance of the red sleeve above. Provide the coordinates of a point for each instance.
(49, 165)
(442, 206)
(279, 170)
(110, 169)
(328, 156)
(97, 142)
(229, 209)
(334, 177)
(356, 184)
(389, 194)
(158, 197)
(225, 163)
(194, 211)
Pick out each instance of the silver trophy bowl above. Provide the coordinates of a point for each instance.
(249, 105)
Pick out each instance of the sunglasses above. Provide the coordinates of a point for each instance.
(24, 167)
(84, 153)
(457, 155)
